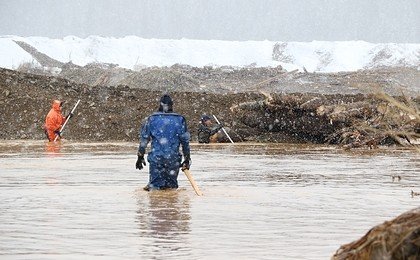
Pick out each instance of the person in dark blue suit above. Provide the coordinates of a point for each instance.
(166, 131)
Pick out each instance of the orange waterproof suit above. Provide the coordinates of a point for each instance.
(54, 121)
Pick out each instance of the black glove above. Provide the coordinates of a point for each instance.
(140, 161)
(69, 116)
(186, 163)
(57, 132)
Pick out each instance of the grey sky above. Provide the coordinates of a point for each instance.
(275, 20)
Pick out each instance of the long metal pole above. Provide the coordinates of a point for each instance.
(224, 131)
(68, 118)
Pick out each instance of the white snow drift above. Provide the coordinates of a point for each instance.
(133, 52)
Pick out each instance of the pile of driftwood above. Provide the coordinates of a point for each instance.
(350, 120)
(395, 239)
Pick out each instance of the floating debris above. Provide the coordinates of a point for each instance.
(396, 178)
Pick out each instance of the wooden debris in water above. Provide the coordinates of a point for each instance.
(396, 178)
(413, 193)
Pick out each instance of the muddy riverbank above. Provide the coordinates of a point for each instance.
(325, 109)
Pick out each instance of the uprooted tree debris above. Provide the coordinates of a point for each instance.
(350, 120)
(395, 239)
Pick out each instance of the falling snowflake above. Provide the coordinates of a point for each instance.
(163, 141)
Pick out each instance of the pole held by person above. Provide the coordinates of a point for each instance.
(223, 129)
(67, 119)
(192, 181)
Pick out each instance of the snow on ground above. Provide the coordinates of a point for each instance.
(133, 52)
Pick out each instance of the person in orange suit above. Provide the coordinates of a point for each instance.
(54, 121)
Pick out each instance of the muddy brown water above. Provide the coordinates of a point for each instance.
(261, 201)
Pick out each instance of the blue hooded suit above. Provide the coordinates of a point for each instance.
(166, 131)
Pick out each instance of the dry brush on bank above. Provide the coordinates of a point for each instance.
(395, 239)
(349, 120)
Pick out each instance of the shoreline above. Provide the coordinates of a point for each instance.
(260, 114)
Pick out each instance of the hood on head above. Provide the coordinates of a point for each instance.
(166, 104)
(56, 105)
(204, 118)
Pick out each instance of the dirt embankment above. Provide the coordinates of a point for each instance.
(116, 112)
(105, 113)
(255, 104)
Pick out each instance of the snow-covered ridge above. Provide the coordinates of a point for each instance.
(133, 52)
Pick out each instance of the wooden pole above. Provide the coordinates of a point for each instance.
(193, 184)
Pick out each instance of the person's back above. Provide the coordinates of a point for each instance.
(204, 133)
(54, 120)
(167, 131)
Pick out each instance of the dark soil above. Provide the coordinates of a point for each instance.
(104, 113)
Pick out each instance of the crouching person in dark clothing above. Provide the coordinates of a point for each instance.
(207, 133)
(166, 131)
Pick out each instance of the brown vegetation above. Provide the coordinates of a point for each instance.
(395, 239)
(349, 120)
